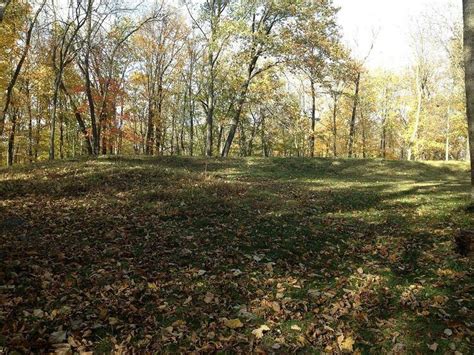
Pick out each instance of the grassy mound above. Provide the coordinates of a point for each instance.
(182, 254)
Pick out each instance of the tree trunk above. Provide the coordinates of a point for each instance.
(89, 94)
(30, 127)
(448, 128)
(150, 131)
(312, 141)
(334, 128)
(413, 143)
(79, 119)
(57, 84)
(11, 140)
(61, 137)
(210, 116)
(468, 12)
(353, 117)
(240, 106)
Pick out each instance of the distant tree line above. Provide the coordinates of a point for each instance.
(218, 78)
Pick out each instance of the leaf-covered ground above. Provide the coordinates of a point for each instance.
(182, 255)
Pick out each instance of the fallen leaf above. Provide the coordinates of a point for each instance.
(345, 344)
(433, 346)
(260, 330)
(152, 286)
(233, 323)
(209, 297)
(57, 337)
(38, 313)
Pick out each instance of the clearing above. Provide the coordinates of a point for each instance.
(238, 255)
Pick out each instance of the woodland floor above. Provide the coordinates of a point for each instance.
(277, 255)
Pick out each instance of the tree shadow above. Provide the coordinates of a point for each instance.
(129, 250)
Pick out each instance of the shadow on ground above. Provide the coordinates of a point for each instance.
(154, 254)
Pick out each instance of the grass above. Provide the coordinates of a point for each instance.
(155, 254)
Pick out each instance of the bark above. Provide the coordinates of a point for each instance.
(88, 82)
(38, 133)
(57, 85)
(210, 107)
(191, 129)
(61, 137)
(150, 129)
(30, 126)
(3, 8)
(468, 15)
(312, 141)
(353, 117)
(265, 150)
(11, 140)
(120, 137)
(334, 126)
(448, 128)
(413, 143)
(383, 142)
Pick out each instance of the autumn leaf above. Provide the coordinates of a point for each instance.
(233, 323)
(345, 344)
(209, 297)
(260, 330)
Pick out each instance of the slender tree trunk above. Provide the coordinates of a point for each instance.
(30, 127)
(120, 137)
(468, 12)
(312, 141)
(263, 138)
(79, 119)
(240, 105)
(383, 143)
(150, 131)
(334, 127)
(413, 143)
(57, 85)
(38, 132)
(88, 82)
(448, 128)
(364, 139)
(11, 140)
(210, 114)
(353, 117)
(191, 132)
(61, 136)
(383, 139)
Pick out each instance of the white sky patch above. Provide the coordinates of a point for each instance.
(391, 22)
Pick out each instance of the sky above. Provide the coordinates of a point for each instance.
(391, 22)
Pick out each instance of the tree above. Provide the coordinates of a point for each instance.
(19, 66)
(267, 24)
(468, 15)
(65, 47)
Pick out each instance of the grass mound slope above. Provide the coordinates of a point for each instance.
(243, 255)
